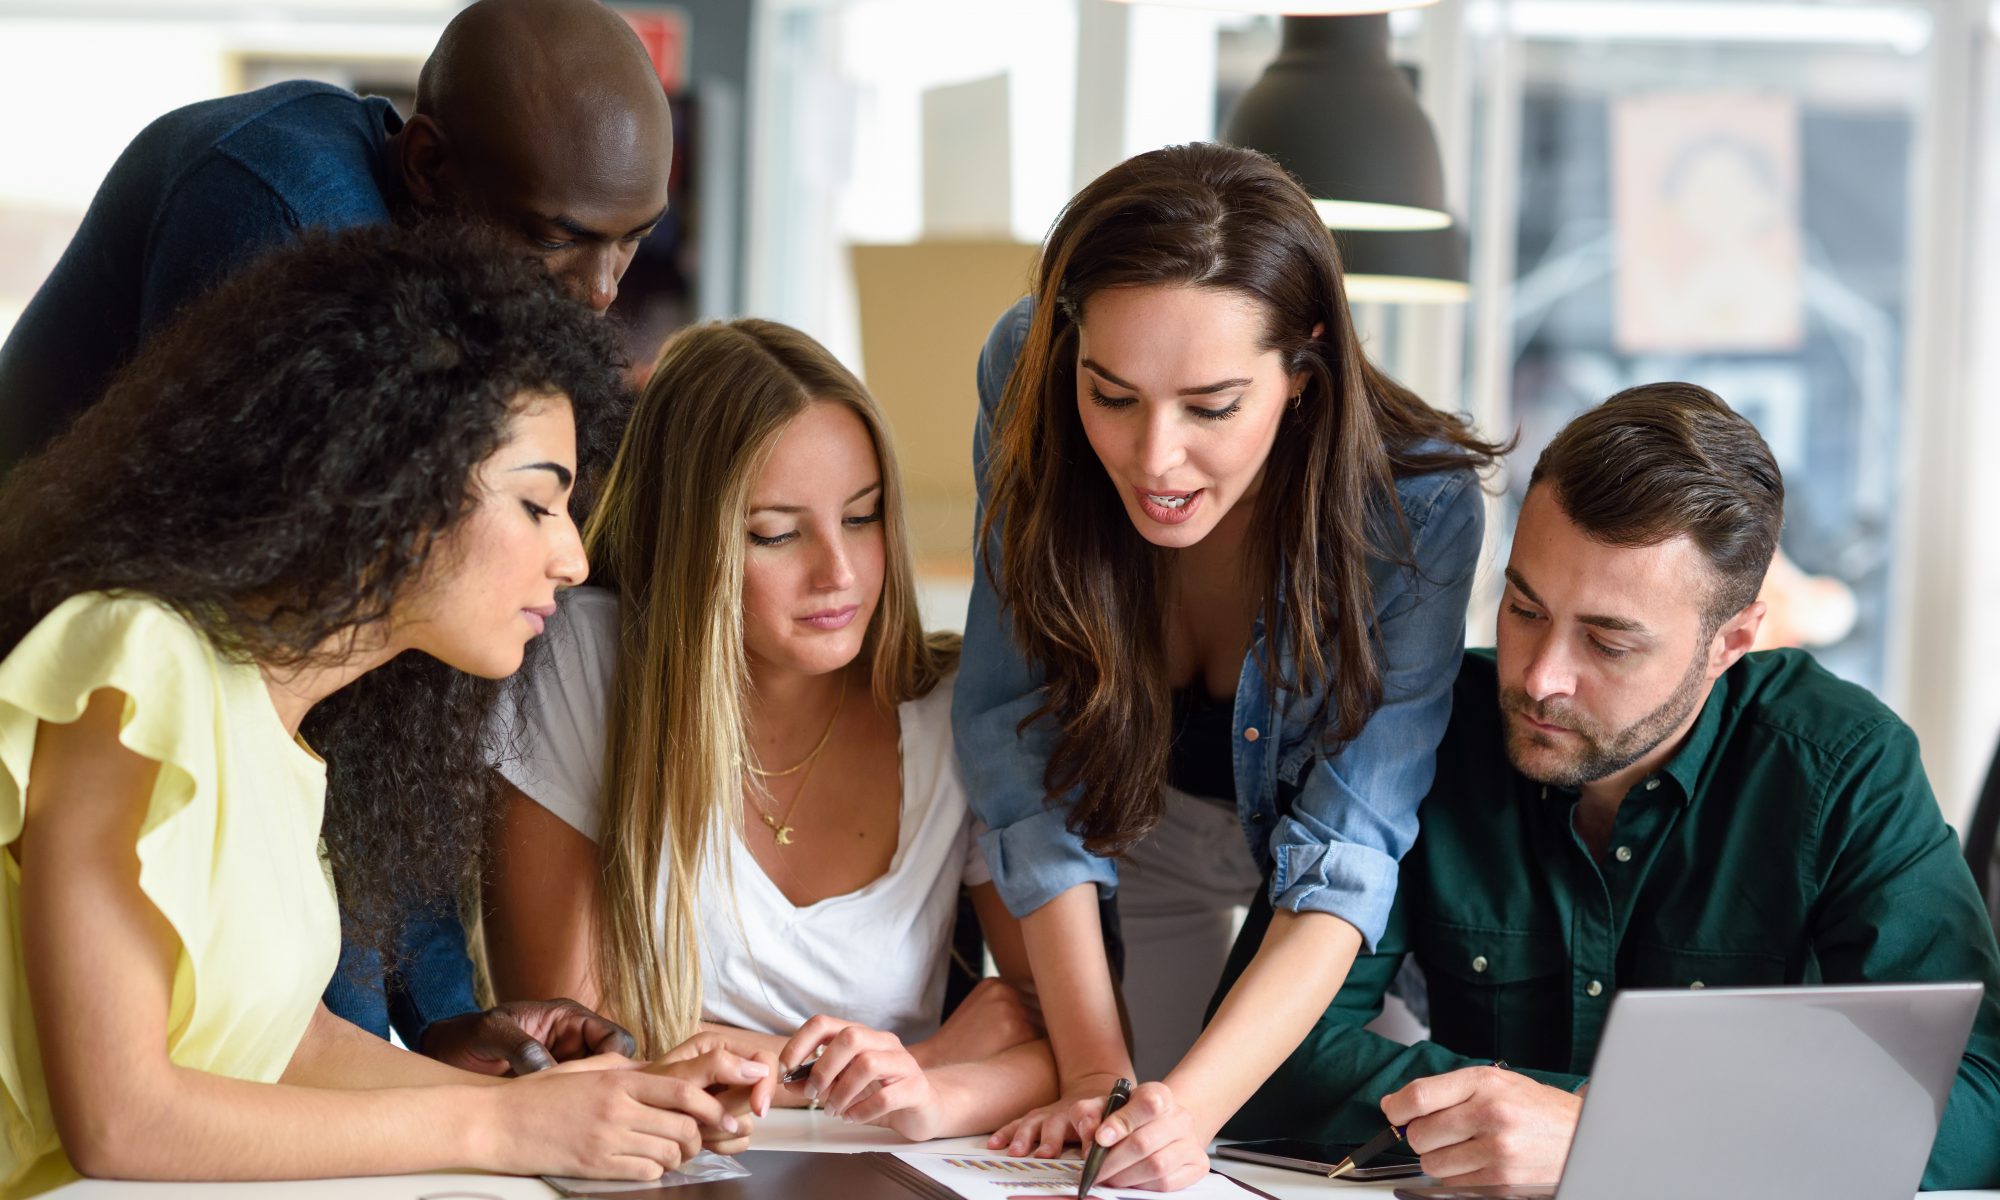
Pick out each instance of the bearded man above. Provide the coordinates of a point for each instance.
(1628, 797)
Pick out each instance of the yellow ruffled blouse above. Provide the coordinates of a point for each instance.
(229, 851)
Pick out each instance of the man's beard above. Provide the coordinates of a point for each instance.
(1599, 753)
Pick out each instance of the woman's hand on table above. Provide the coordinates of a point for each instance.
(1070, 1118)
(994, 1017)
(864, 1075)
(1152, 1142)
(741, 1086)
(523, 1037)
(609, 1124)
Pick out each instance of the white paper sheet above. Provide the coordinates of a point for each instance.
(997, 1177)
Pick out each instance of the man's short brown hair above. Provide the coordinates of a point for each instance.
(1665, 459)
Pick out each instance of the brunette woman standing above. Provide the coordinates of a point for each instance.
(1224, 575)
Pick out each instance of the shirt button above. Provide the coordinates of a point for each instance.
(1651, 784)
(1479, 964)
(1624, 854)
(1251, 734)
(1594, 989)
(1696, 986)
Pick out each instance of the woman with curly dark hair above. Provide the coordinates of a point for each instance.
(298, 525)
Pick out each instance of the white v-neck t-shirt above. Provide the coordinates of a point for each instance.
(876, 955)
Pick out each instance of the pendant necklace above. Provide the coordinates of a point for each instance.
(781, 829)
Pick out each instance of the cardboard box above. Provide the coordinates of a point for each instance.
(926, 308)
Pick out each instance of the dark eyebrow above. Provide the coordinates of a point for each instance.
(577, 229)
(793, 508)
(1614, 624)
(562, 474)
(1206, 389)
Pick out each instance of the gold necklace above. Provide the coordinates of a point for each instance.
(781, 828)
(761, 773)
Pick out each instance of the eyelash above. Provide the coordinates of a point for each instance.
(630, 240)
(1610, 652)
(851, 522)
(536, 511)
(1204, 414)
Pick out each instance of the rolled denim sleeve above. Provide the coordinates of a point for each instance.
(1355, 814)
(1027, 843)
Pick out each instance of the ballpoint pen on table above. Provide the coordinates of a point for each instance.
(1370, 1150)
(1380, 1144)
(1094, 1161)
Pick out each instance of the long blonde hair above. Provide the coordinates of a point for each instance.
(667, 535)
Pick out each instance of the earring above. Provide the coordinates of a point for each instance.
(1297, 397)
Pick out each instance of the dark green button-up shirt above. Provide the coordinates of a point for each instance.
(1793, 838)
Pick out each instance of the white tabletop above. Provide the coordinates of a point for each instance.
(785, 1129)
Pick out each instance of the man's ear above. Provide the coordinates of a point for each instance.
(1734, 640)
(425, 155)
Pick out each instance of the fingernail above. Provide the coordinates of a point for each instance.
(755, 1070)
(729, 1123)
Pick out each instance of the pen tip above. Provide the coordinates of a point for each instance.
(1342, 1168)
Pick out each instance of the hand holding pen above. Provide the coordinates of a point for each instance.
(1485, 1125)
(1384, 1141)
(1151, 1142)
(1093, 1162)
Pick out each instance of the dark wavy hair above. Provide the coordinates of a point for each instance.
(1664, 459)
(278, 464)
(1085, 589)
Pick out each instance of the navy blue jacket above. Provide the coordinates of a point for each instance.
(198, 194)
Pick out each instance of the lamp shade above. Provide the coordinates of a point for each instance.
(1404, 266)
(1319, 8)
(1335, 111)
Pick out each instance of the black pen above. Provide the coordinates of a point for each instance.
(1380, 1144)
(1370, 1150)
(1093, 1161)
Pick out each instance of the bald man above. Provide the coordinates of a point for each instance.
(542, 117)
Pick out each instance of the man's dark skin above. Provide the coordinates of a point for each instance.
(545, 119)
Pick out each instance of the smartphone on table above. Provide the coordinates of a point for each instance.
(1321, 1157)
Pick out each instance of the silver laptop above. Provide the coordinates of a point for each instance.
(1829, 1092)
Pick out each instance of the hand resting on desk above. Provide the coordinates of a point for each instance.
(1153, 1142)
(988, 1057)
(1487, 1125)
(743, 1083)
(994, 1017)
(601, 1120)
(523, 1037)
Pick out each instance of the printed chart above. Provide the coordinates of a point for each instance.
(1002, 1178)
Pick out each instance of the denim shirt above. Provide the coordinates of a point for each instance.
(199, 194)
(1351, 814)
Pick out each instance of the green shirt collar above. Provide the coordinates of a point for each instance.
(1685, 767)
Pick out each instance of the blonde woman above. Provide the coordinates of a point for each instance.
(733, 808)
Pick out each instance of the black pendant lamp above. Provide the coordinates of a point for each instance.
(1420, 266)
(1321, 8)
(1337, 112)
